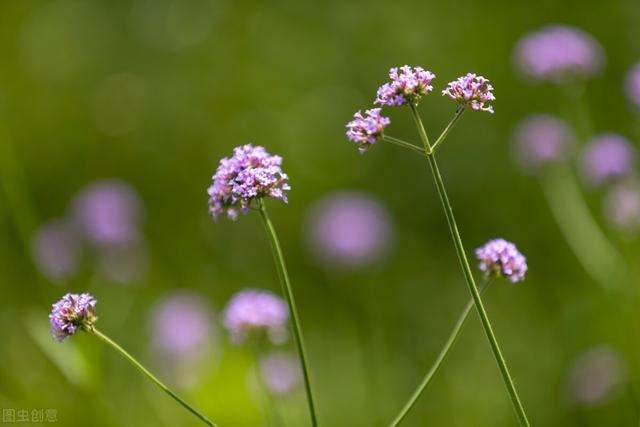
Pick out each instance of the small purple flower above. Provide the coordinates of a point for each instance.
(557, 53)
(72, 312)
(633, 84)
(542, 139)
(254, 311)
(365, 129)
(181, 325)
(607, 157)
(407, 85)
(250, 174)
(501, 258)
(56, 249)
(622, 206)
(596, 375)
(348, 229)
(108, 212)
(471, 91)
(281, 372)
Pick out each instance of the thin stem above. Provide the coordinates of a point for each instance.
(448, 128)
(403, 144)
(423, 133)
(152, 377)
(451, 340)
(286, 287)
(468, 275)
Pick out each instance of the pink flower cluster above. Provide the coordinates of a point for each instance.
(365, 129)
(471, 91)
(408, 84)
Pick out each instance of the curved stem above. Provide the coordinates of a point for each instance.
(446, 130)
(286, 287)
(451, 340)
(152, 377)
(403, 144)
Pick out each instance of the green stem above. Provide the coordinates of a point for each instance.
(288, 291)
(421, 130)
(446, 130)
(453, 337)
(595, 252)
(152, 377)
(403, 144)
(468, 275)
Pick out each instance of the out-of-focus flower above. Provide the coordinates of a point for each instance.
(254, 311)
(557, 53)
(607, 157)
(56, 249)
(595, 375)
(348, 229)
(542, 139)
(471, 91)
(123, 264)
(622, 206)
(633, 84)
(365, 129)
(109, 212)
(499, 257)
(250, 174)
(407, 85)
(281, 372)
(181, 326)
(72, 312)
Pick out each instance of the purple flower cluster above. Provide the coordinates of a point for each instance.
(499, 257)
(557, 53)
(407, 85)
(281, 372)
(542, 139)
(250, 174)
(72, 312)
(254, 311)
(596, 374)
(607, 157)
(633, 84)
(622, 207)
(56, 249)
(365, 129)
(471, 91)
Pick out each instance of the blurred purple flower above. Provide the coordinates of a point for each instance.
(181, 326)
(281, 372)
(109, 212)
(622, 206)
(254, 311)
(56, 249)
(499, 257)
(407, 85)
(607, 157)
(250, 174)
(471, 91)
(542, 139)
(349, 229)
(633, 84)
(123, 264)
(595, 375)
(72, 312)
(557, 53)
(365, 130)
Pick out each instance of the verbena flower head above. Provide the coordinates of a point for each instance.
(281, 372)
(256, 312)
(499, 257)
(407, 85)
(542, 139)
(365, 129)
(633, 84)
(72, 312)
(56, 249)
(596, 375)
(250, 174)
(108, 212)
(558, 53)
(607, 157)
(622, 207)
(348, 230)
(471, 91)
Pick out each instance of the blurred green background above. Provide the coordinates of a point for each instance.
(154, 93)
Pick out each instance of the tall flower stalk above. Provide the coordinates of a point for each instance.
(407, 86)
(76, 312)
(240, 184)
